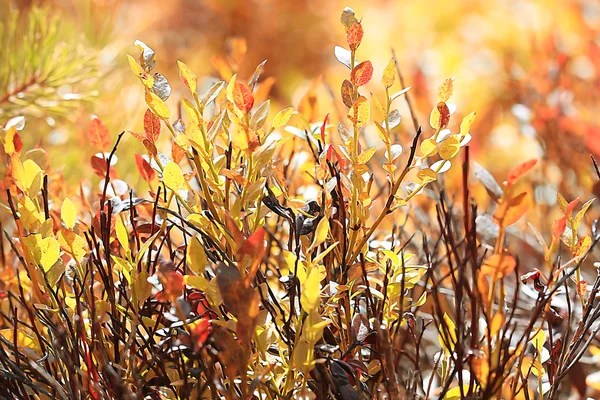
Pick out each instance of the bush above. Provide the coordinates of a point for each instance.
(276, 260)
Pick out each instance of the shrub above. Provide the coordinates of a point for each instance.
(236, 276)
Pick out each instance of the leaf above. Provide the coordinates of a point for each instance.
(389, 74)
(447, 338)
(465, 125)
(581, 213)
(146, 78)
(147, 57)
(311, 290)
(487, 180)
(98, 134)
(122, 235)
(282, 117)
(320, 234)
(362, 73)
(68, 213)
(519, 171)
(582, 246)
(260, 115)
(157, 106)
(151, 126)
(498, 265)
(394, 118)
(360, 112)
(173, 177)
(445, 90)
(348, 18)
(12, 141)
(188, 78)
(49, 252)
(347, 93)
(512, 210)
(212, 93)
(427, 175)
(144, 168)
(450, 148)
(196, 256)
(354, 36)
(538, 340)
(242, 97)
(429, 147)
(365, 156)
(161, 87)
(344, 56)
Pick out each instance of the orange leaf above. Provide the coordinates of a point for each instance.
(98, 134)
(444, 114)
(362, 73)
(512, 210)
(558, 227)
(519, 171)
(355, 35)
(144, 168)
(151, 126)
(499, 265)
(242, 97)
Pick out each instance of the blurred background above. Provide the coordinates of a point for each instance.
(530, 69)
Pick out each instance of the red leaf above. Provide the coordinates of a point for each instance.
(201, 332)
(98, 134)
(253, 247)
(323, 128)
(444, 114)
(571, 206)
(558, 227)
(519, 171)
(362, 73)
(242, 97)
(99, 167)
(172, 282)
(144, 168)
(355, 35)
(151, 126)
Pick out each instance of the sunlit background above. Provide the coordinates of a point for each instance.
(529, 68)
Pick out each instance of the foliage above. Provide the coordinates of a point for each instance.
(281, 255)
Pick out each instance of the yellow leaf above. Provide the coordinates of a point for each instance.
(427, 175)
(68, 213)
(360, 112)
(429, 147)
(497, 323)
(157, 106)
(320, 234)
(173, 177)
(539, 339)
(188, 78)
(9, 144)
(146, 78)
(365, 156)
(197, 282)
(230, 88)
(465, 125)
(311, 290)
(450, 147)
(196, 256)
(282, 117)
(454, 393)
(72, 243)
(447, 338)
(122, 235)
(382, 133)
(49, 252)
(190, 110)
(445, 90)
(389, 74)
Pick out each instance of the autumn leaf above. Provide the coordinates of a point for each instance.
(445, 90)
(144, 168)
(68, 213)
(151, 126)
(362, 73)
(510, 211)
(242, 97)
(360, 112)
(98, 134)
(158, 107)
(282, 117)
(188, 78)
(498, 265)
(355, 35)
(450, 147)
(173, 177)
(347, 91)
(389, 74)
(519, 171)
